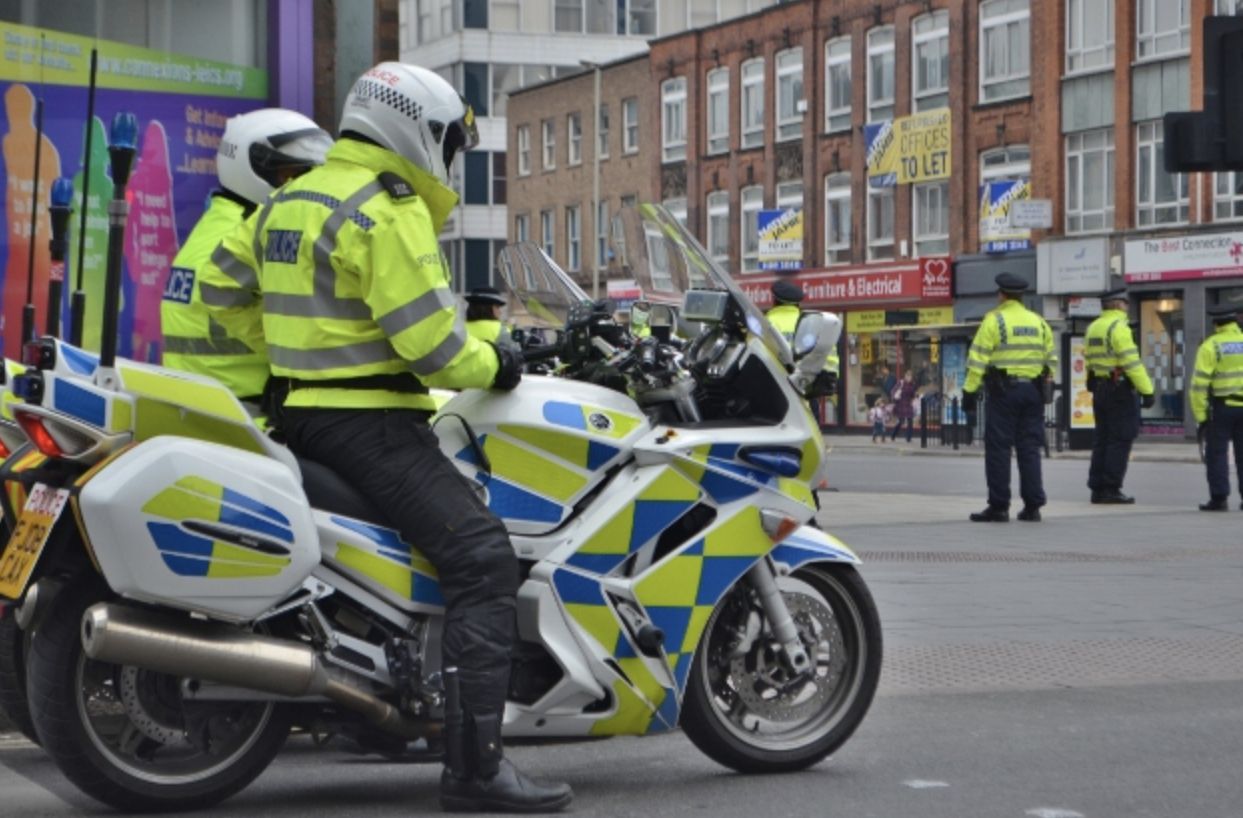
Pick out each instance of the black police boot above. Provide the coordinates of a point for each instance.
(1112, 497)
(1030, 514)
(484, 781)
(1217, 503)
(992, 514)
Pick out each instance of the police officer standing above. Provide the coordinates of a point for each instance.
(1218, 383)
(1115, 376)
(483, 315)
(357, 311)
(1012, 355)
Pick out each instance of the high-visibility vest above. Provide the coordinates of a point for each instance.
(784, 318)
(1012, 339)
(344, 279)
(193, 342)
(1219, 370)
(1109, 346)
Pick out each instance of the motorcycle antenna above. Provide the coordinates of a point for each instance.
(122, 142)
(28, 311)
(77, 307)
(60, 208)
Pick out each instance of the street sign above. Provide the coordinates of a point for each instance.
(1031, 213)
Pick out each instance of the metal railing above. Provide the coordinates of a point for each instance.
(964, 430)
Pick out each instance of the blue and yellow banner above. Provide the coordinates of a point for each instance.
(996, 234)
(909, 150)
(781, 239)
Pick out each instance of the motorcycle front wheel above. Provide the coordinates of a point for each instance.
(746, 710)
(126, 736)
(14, 704)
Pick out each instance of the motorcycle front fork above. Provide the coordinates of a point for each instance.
(763, 579)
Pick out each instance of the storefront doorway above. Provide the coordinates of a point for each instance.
(1162, 342)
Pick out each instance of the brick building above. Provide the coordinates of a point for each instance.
(1055, 100)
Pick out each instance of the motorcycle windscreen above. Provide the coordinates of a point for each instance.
(540, 294)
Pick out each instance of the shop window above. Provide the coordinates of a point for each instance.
(752, 202)
(930, 43)
(718, 227)
(880, 74)
(837, 85)
(673, 119)
(1162, 28)
(1163, 350)
(790, 94)
(718, 110)
(1089, 35)
(753, 103)
(876, 360)
(1090, 181)
(1005, 49)
(837, 218)
(880, 224)
(1228, 196)
(1160, 197)
(931, 218)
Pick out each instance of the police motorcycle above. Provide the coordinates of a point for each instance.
(216, 590)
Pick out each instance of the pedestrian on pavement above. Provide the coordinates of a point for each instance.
(887, 381)
(1217, 385)
(1012, 355)
(879, 415)
(904, 405)
(1119, 384)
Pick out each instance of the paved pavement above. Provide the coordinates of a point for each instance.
(1150, 451)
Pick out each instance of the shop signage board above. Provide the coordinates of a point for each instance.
(1032, 213)
(1073, 266)
(909, 149)
(1179, 258)
(908, 282)
(1081, 414)
(781, 239)
(998, 198)
(877, 320)
(1083, 307)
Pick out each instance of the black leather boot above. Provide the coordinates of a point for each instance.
(992, 514)
(484, 781)
(1219, 502)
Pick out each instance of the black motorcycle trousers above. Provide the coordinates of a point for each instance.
(392, 457)
(1115, 408)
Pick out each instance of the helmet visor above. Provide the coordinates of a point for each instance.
(290, 154)
(460, 135)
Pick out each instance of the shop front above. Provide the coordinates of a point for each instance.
(897, 318)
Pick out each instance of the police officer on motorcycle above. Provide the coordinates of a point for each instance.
(784, 317)
(259, 151)
(1012, 355)
(358, 313)
(483, 315)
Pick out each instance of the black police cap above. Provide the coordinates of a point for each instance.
(1010, 283)
(1120, 294)
(486, 295)
(788, 292)
(1223, 313)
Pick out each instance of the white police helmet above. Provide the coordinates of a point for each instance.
(413, 112)
(259, 148)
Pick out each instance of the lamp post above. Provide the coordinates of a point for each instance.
(595, 182)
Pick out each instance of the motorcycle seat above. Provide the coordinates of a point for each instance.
(329, 491)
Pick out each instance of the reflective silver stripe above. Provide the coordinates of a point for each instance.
(326, 242)
(235, 268)
(412, 312)
(214, 296)
(1038, 347)
(180, 345)
(315, 306)
(444, 352)
(310, 360)
(1200, 373)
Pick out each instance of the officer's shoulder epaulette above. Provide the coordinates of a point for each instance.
(397, 187)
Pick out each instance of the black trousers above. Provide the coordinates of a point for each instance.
(1116, 410)
(393, 458)
(1014, 419)
(1225, 427)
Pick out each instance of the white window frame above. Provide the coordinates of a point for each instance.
(573, 238)
(548, 232)
(524, 150)
(931, 230)
(718, 226)
(1016, 163)
(630, 125)
(881, 46)
(574, 139)
(1084, 21)
(1228, 196)
(548, 133)
(881, 247)
(673, 119)
(648, 7)
(602, 233)
(789, 119)
(837, 192)
(1151, 44)
(837, 58)
(752, 102)
(1150, 172)
(677, 209)
(605, 26)
(992, 88)
(1080, 220)
(602, 131)
(522, 227)
(935, 29)
(718, 98)
(751, 203)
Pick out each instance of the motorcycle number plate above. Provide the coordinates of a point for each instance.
(34, 527)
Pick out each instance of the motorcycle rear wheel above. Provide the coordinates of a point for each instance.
(744, 710)
(126, 737)
(14, 703)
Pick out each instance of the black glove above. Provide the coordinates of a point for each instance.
(509, 373)
(1147, 401)
(968, 402)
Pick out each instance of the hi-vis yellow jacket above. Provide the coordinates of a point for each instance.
(1109, 345)
(344, 279)
(193, 342)
(784, 318)
(1219, 370)
(1013, 339)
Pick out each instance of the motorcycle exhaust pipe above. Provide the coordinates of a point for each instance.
(218, 653)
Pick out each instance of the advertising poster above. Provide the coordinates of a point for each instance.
(182, 104)
(909, 149)
(996, 234)
(1081, 414)
(781, 239)
(953, 375)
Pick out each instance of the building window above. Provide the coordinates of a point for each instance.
(718, 227)
(1090, 181)
(880, 74)
(638, 17)
(700, 13)
(930, 43)
(718, 110)
(1228, 196)
(1010, 162)
(602, 233)
(484, 181)
(1089, 35)
(753, 103)
(1162, 28)
(500, 180)
(790, 196)
(752, 203)
(931, 218)
(547, 231)
(582, 17)
(574, 139)
(435, 19)
(573, 238)
(790, 103)
(522, 227)
(1005, 49)
(880, 223)
(524, 150)
(837, 88)
(673, 119)
(550, 144)
(603, 130)
(630, 125)
(1230, 8)
(475, 86)
(506, 15)
(475, 14)
(677, 209)
(1160, 197)
(837, 218)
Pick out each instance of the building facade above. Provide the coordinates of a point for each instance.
(904, 135)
